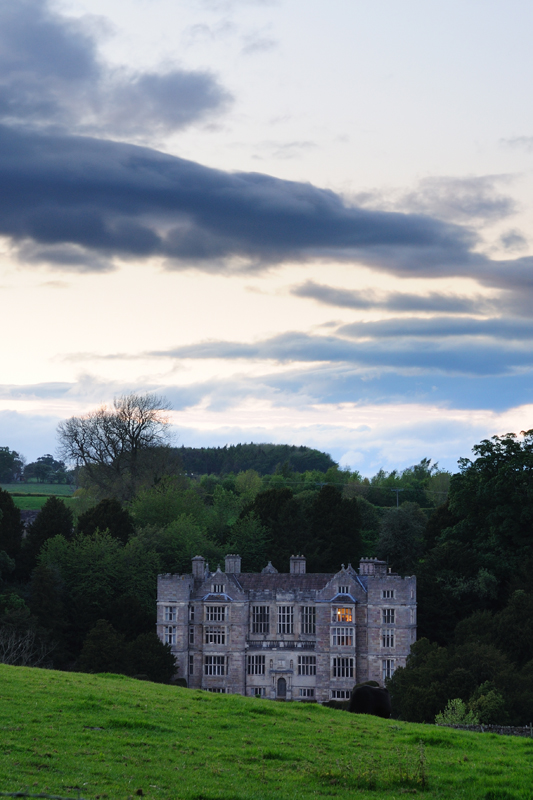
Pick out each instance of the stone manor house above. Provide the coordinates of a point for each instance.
(292, 636)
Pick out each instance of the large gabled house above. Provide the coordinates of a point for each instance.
(295, 635)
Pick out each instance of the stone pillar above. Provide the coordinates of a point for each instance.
(297, 565)
(198, 567)
(233, 564)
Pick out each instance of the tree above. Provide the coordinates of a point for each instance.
(11, 465)
(54, 519)
(103, 650)
(120, 448)
(10, 526)
(148, 656)
(46, 470)
(108, 515)
(401, 537)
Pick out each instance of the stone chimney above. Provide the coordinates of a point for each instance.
(372, 566)
(297, 565)
(233, 564)
(198, 567)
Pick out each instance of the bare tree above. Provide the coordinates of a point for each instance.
(118, 447)
(23, 648)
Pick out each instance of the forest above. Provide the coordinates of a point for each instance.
(77, 587)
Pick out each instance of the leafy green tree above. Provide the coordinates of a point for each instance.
(46, 470)
(11, 528)
(249, 538)
(147, 655)
(456, 713)
(401, 537)
(103, 650)
(335, 531)
(248, 484)
(169, 499)
(177, 543)
(283, 516)
(11, 465)
(107, 515)
(54, 519)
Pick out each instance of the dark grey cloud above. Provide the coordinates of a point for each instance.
(518, 330)
(112, 199)
(411, 352)
(393, 301)
(50, 74)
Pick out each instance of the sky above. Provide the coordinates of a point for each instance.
(301, 222)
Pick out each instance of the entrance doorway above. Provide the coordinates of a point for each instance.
(282, 688)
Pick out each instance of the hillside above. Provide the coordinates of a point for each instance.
(264, 458)
(115, 737)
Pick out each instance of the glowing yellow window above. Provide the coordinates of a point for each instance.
(342, 615)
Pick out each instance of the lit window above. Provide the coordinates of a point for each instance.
(306, 665)
(215, 613)
(387, 638)
(388, 616)
(309, 619)
(170, 634)
(286, 619)
(170, 613)
(256, 665)
(388, 668)
(307, 692)
(260, 619)
(191, 635)
(215, 665)
(342, 637)
(387, 594)
(218, 588)
(215, 635)
(343, 667)
(342, 615)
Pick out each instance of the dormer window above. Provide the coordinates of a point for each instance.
(344, 590)
(218, 588)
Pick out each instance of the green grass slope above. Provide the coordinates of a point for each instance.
(114, 737)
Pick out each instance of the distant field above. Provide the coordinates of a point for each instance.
(35, 503)
(59, 489)
(117, 738)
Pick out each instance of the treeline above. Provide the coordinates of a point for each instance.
(46, 469)
(475, 593)
(265, 459)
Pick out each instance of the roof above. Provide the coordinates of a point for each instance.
(254, 581)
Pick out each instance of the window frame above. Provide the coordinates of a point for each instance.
(214, 634)
(255, 665)
(342, 614)
(343, 667)
(388, 617)
(170, 614)
(308, 620)
(286, 620)
(261, 619)
(306, 665)
(215, 666)
(347, 637)
(216, 614)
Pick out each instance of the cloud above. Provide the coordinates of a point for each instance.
(112, 199)
(460, 200)
(429, 347)
(51, 75)
(519, 142)
(393, 301)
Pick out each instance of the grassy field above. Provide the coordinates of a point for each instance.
(114, 737)
(26, 503)
(59, 489)
(33, 496)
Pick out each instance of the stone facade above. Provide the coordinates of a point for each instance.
(294, 635)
